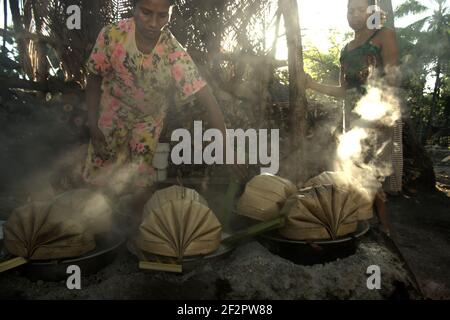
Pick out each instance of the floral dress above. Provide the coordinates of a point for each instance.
(137, 90)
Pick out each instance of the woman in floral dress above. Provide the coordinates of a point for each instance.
(136, 69)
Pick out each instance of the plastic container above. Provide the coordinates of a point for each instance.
(161, 157)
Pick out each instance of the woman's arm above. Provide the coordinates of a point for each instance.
(335, 91)
(216, 120)
(215, 116)
(389, 53)
(93, 95)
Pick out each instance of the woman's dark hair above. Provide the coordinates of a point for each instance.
(134, 3)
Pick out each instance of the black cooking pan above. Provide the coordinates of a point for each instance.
(152, 262)
(315, 251)
(107, 247)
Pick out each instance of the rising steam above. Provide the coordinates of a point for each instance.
(364, 152)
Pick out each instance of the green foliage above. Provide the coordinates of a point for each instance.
(324, 67)
(425, 55)
(410, 7)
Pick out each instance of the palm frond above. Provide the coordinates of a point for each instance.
(410, 7)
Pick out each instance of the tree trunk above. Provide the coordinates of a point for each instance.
(436, 92)
(5, 24)
(40, 62)
(266, 73)
(386, 6)
(447, 112)
(22, 44)
(297, 94)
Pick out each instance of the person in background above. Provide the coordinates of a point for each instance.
(373, 53)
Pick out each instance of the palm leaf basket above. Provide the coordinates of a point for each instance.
(62, 228)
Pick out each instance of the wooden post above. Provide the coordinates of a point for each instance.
(297, 94)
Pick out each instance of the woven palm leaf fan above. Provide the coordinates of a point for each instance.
(35, 232)
(58, 229)
(364, 193)
(170, 194)
(178, 223)
(264, 196)
(320, 213)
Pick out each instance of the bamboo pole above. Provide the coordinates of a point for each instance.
(12, 263)
(253, 231)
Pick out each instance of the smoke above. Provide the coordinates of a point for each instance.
(379, 105)
(364, 152)
(350, 147)
(44, 150)
(116, 179)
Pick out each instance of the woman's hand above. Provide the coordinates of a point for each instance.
(335, 91)
(99, 142)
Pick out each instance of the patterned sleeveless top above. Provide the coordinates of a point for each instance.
(359, 63)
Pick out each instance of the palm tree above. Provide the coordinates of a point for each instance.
(40, 25)
(199, 24)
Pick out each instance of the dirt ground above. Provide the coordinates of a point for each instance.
(250, 272)
(421, 229)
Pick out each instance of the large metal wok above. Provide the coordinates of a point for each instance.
(148, 261)
(153, 262)
(107, 247)
(316, 251)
